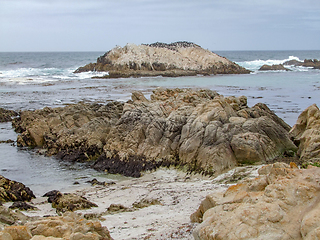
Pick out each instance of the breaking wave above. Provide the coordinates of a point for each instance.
(256, 64)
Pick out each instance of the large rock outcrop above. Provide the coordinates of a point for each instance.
(171, 60)
(197, 128)
(282, 203)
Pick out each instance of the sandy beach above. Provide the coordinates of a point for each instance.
(156, 206)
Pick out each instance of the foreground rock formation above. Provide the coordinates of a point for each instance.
(282, 203)
(200, 129)
(170, 60)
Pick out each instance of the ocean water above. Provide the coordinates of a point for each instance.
(35, 80)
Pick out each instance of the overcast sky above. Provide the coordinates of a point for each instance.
(99, 25)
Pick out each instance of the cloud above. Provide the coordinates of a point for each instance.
(100, 24)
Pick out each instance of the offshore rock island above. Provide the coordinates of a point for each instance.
(161, 59)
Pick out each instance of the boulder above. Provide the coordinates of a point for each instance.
(69, 226)
(12, 191)
(276, 67)
(199, 129)
(9, 217)
(281, 203)
(68, 201)
(306, 132)
(7, 115)
(18, 232)
(170, 60)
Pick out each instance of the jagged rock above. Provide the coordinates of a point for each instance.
(315, 63)
(306, 132)
(12, 191)
(201, 129)
(69, 226)
(52, 195)
(171, 60)
(275, 67)
(282, 203)
(6, 115)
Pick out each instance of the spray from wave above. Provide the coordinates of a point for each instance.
(256, 64)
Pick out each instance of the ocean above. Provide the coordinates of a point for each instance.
(36, 80)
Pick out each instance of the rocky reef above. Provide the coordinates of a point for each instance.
(315, 63)
(275, 67)
(199, 129)
(161, 59)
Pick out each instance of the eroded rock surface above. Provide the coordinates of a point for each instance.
(70, 226)
(171, 60)
(306, 133)
(201, 129)
(282, 203)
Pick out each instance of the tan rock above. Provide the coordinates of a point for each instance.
(282, 203)
(306, 131)
(5, 236)
(18, 232)
(175, 59)
(40, 237)
(69, 226)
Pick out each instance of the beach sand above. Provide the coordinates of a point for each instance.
(156, 206)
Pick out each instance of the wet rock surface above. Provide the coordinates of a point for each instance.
(281, 203)
(312, 63)
(7, 115)
(277, 67)
(161, 59)
(199, 129)
(12, 191)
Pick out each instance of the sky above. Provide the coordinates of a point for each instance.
(99, 25)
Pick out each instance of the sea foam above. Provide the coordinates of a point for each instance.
(256, 64)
